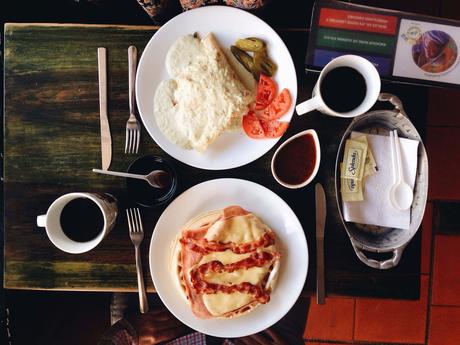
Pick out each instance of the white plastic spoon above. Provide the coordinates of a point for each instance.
(401, 194)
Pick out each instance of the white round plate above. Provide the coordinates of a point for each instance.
(230, 150)
(216, 194)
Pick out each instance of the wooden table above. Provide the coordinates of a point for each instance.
(52, 142)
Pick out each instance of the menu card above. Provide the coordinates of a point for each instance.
(402, 46)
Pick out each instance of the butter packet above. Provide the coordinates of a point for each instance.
(354, 159)
(370, 166)
(352, 190)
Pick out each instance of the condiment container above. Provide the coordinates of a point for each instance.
(144, 194)
(381, 240)
(296, 161)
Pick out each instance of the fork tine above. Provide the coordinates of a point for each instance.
(130, 142)
(136, 219)
(126, 141)
(141, 229)
(133, 140)
(128, 216)
(133, 220)
(138, 138)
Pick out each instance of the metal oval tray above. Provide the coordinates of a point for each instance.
(380, 239)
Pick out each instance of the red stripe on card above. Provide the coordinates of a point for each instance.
(360, 21)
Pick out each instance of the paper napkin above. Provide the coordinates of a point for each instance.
(376, 208)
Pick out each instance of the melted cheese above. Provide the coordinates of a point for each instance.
(226, 257)
(238, 229)
(207, 97)
(184, 52)
(253, 275)
(167, 114)
(222, 303)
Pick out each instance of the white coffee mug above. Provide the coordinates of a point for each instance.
(52, 221)
(363, 66)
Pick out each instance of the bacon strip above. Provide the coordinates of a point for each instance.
(257, 259)
(204, 246)
(259, 293)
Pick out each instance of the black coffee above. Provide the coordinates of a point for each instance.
(343, 89)
(82, 220)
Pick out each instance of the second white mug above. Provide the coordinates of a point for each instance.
(107, 206)
(362, 66)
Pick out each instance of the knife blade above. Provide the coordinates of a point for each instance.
(106, 139)
(320, 199)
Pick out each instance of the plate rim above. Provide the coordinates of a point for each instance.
(233, 11)
(297, 292)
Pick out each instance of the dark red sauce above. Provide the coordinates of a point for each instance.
(296, 161)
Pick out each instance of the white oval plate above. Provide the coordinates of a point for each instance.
(216, 194)
(230, 150)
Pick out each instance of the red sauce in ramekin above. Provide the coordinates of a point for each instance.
(296, 160)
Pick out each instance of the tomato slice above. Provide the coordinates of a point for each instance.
(266, 92)
(278, 107)
(274, 128)
(252, 126)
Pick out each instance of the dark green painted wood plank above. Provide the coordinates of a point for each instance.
(52, 143)
(62, 275)
(52, 101)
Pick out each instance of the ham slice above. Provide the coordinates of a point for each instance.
(255, 250)
(190, 258)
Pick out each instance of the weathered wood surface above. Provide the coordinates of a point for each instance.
(52, 142)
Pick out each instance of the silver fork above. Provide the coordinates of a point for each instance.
(133, 129)
(136, 232)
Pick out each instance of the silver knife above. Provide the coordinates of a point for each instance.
(320, 223)
(106, 140)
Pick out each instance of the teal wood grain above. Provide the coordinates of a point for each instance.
(52, 113)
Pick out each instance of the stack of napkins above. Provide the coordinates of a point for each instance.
(376, 208)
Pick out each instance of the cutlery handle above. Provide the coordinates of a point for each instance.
(102, 70)
(394, 158)
(320, 286)
(106, 138)
(132, 60)
(143, 304)
(398, 156)
(121, 174)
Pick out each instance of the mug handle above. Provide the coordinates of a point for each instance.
(307, 106)
(41, 221)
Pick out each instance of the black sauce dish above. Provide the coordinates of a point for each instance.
(144, 194)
